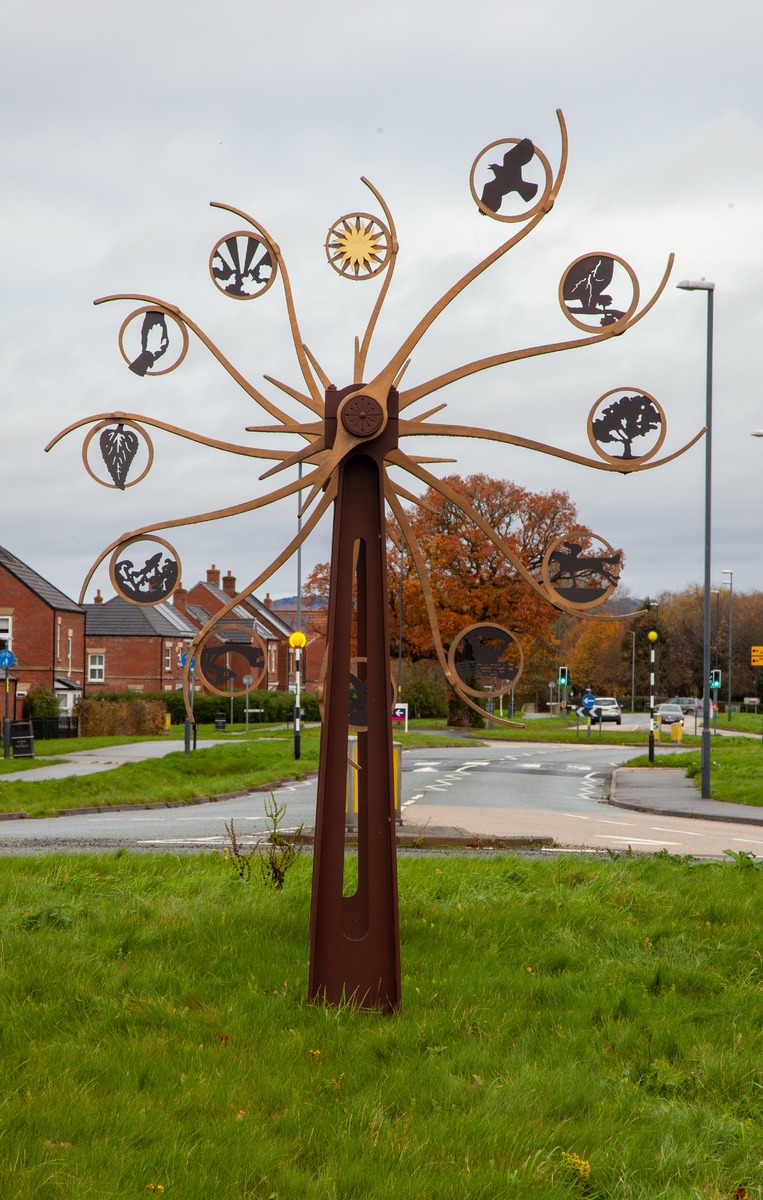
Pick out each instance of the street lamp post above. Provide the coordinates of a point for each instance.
(731, 641)
(633, 669)
(702, 285)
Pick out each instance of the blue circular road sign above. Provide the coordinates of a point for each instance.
(588, 700)
(7, 659)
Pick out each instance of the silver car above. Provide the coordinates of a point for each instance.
(610, 709)
(669, 714)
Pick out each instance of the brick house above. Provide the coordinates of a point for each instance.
(207, 597)
(133, 647)
(45, 630)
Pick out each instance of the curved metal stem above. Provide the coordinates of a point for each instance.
(174, 311)
(401, 459)
(426, 589)
(496, 360)
(362, 353)
(276, 564)
(414, 428)
(198, 519)
(316, 401)
(428, 320)
(213, 443)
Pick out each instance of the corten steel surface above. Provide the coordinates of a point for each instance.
(354, 929)
(351, 438)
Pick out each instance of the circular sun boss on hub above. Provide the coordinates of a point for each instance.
(362, 416)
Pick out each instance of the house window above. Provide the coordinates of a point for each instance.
(6, 633)
(272, 666)
(168, 657)
(96, 668)
(58, 640)
(69, 643)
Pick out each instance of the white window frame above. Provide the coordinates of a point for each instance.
(96, 670)
(6, 630)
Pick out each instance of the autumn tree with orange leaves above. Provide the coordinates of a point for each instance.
(471, 580)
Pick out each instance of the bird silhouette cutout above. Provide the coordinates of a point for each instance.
(508, 177)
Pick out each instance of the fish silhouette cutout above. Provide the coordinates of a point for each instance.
(119, 447)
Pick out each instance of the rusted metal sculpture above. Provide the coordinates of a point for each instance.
(352, 436)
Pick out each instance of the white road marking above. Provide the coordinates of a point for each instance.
(683, 832)
(611, 837)
(579, 816)
(531, 766)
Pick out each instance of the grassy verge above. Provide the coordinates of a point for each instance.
(570, 1028)
(736, 768)
(555, 729)
(228, 768)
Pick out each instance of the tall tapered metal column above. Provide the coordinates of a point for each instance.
(354, 928)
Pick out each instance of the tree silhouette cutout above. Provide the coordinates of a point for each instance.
(626, 419)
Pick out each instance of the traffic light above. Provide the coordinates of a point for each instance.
(715, 680)
(564, 676)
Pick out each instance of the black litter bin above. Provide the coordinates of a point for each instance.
(22, 739)
(220, 722)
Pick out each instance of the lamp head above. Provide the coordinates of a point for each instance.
(696, 285)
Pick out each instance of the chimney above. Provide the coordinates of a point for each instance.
(180, 598)
(98, 597)
(229, 584)
(268, 602)
(213, 576)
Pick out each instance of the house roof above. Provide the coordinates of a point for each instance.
(240, 615)
(120, 618)
(268, 624)
(278, 623)
(41, 588)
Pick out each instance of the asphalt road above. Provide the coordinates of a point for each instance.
(503, 789)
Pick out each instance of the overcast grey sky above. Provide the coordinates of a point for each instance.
(122, 121)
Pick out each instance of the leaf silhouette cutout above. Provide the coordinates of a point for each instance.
(119, 447)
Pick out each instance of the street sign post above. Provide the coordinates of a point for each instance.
(7, 660)
(188, 722)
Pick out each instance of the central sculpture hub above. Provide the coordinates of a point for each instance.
(362, 416)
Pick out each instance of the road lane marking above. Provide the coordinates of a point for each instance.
(636, 841)
(578, 816)
(683, 832)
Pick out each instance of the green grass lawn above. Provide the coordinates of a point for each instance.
(571, 1028)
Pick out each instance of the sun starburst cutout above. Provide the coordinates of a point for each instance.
(358, 246)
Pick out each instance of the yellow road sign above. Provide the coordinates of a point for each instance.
(756, 656)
